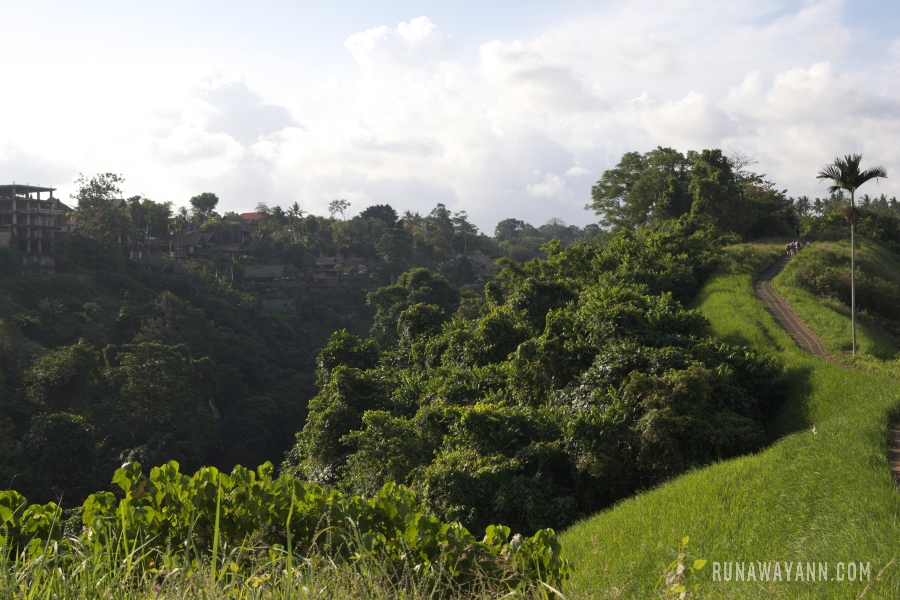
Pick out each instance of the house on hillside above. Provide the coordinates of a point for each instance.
(66, 226)
(333, 268)
(275, 283)
(243, 227)
(482, 263)
(324, 267)
(196, 244)
(32, 224)
(264, 274)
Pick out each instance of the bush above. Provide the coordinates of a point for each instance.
(169, 515)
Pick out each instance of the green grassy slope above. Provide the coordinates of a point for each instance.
(807, 497)
(829, 318)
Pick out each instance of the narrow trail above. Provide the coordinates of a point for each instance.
(785, 316)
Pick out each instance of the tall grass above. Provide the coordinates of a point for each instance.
(818, 497)
(80, 570)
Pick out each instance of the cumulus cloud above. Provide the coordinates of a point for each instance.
(689, 122)
(818, 94)
(241, 113)
(185, 145)
(530, 77)
(417, 45)
(553, 186)
(504, 126)
(577, 171)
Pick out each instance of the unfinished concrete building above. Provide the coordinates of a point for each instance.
(31, 216)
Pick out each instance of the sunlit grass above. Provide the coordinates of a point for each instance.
(808, 497)
(830, 319)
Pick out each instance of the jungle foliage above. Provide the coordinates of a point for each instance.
(665, 184)
(111, 360)
(103, 364)
(580, 380)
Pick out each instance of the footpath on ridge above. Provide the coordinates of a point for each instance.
(785, 316)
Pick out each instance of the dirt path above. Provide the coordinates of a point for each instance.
(785, 316)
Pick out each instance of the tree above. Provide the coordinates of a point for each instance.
(97, 215)
(510, 229)
(802, 205)
(844, 174)
(61, 452)
(147, 218)
(463, 227)
(338, 207)
(641, 187)
(818, 206)
(381, 212)
(162, 406)
(439, 222)
(204, 204)
(717, 194)
(294, 216)
(64, 379)
(395, 248)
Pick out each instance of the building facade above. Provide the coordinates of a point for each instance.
(32, 216)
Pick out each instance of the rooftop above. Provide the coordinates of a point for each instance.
(6, 191)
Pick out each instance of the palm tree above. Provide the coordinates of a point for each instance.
(818, 207)
(844, 174)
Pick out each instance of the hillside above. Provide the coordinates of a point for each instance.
(817, 497)
(818, 286)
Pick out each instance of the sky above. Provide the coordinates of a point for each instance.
(499, 108)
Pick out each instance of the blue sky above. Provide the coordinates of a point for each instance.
(498, 108)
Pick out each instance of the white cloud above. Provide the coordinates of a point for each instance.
(495, 131)
(414, 45)
(577, 171)
(241, 113)
(186, 145)
(553, 186)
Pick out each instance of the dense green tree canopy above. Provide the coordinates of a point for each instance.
(664, 184)
(97, 216)
(204, 205)
(643, 187)
(580, 382)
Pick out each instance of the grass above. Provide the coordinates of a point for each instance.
(98, 576)
(830, 319)
(825, 497)
(84, 571)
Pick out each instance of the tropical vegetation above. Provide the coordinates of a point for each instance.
(620, 383)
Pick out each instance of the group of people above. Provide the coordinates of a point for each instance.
(793, 248)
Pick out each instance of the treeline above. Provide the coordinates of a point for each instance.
(439, 240)
(663, 184)
(571, 380)
(108, 361)
(877, 218)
